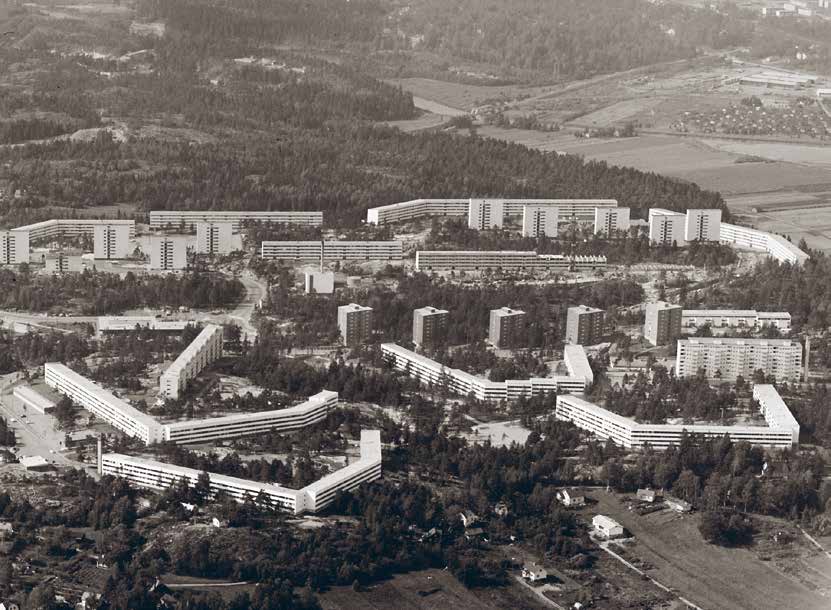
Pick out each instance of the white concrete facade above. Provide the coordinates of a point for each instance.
(110, 324)
(117, 412)
(157, 475)
(111, 241)
(164, 219)
(721, 319)
(724, 359)
(702, 225)
(203, 350)
(781, 432)
(70, 227)
(540, 220)
(504, 325)
(214, 238)
(61, 263)
(333, 250)
(14, 247)
(506, 260)
(30, 399)
(459, 382)
(168, 254)
(775, 246)
(354, 324)
(663, 322)
(569, 210)
(312, 411)
(485, 214)
(608, 221)
(319, 282)
(666, 227)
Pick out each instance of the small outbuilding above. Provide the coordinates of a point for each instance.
(649, 495)
(606, 527)
(571, 499)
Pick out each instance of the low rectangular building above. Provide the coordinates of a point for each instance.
(27, 397)
(504, 260)
(203, 350)
(319, 282)
(60, 263)
(113, 324)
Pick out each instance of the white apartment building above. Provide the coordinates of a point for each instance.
(112, 324)
(61, 263)
(214, 238)
(485, 214)
(69, 227)
(164, 219)
(702, 225)
(666, 227)
(504, 326)
(781, 432)
(157, 475)
(459, 382)
(724, 359)
(332, 250)
(430, 326)
(721, 320)
(608, 221)
(111, 241)
(168, 254)
(98, 401)
(540, 220)
(310, 412)
(319, 282)
(14, 247)
(506, 260)
(569, 210)
(775, 246)
(205, 349)
(663, 322)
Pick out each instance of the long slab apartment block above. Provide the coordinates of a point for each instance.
(724, 359)
(781, 432)
(428, 371)
(729, 319)
(174, 219)
(569, 210)
(71, 227)
(152, 474)
(202, 351)
(505, 260)
(774, 246)
(332, 250)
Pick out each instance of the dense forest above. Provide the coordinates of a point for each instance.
(568, 39)
(94, 293)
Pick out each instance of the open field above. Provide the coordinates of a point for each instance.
(428, 590)
(716, 577)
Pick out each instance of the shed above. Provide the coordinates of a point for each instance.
(606, 527)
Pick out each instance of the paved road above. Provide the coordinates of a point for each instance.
(255, 291)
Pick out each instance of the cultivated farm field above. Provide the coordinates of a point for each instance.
(716, 577)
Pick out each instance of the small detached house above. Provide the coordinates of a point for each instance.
(606, 527)
(679, 505)
(469, 519)
(649, 495)
(534, 572)
(571, 499)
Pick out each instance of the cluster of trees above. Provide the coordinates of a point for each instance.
(478, 359)
(314, 316)
(33, 349)
(567, 39)
(341, 170)
(297, 473)
(691, 398)
(804, 291)
(95, 293)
